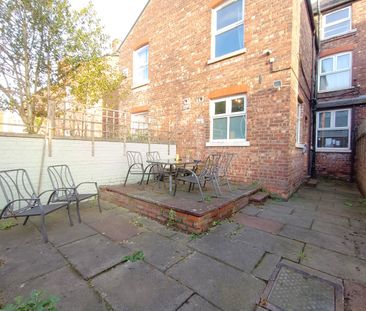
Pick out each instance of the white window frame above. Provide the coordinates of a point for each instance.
(335, 59)
(145, 125)
(336, 22)
(137, 66)
(299, 125)
(227, 115)
(333, 127)
(215, 32)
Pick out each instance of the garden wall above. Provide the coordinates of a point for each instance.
(360, 164)
(107, 166)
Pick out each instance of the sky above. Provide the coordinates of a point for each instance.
(117, 16)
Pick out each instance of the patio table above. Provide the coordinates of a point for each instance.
(172, 163)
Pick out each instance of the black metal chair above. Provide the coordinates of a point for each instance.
(22, 201)
(224, 165)
(135, 165)
(209, 173)
(65, 189)
(157, 170)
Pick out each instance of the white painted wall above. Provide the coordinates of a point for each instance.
(107, 167)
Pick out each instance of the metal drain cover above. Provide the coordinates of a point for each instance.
(292, 289)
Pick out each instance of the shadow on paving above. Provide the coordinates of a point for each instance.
(321, 230)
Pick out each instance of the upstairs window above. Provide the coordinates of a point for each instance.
(299, 122)
(228, 119)
(337, 23)
(334, 130)
(228, 28)
(141, 66)
(335, 72)
(139, 123)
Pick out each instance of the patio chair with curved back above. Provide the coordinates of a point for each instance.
(157, 170)
(65, 188)
(135, 165)
(22, 201)
(208, 173)
(224, 166)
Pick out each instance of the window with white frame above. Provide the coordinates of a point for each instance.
(228, 28)
(141, 66)
(336, 23)
(335, 72)
(139, 122)
(299, 129)
(334, 130)
(228, 119)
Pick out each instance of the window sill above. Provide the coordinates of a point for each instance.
(333, 150)
(336, 90)
(228, 144)
(299, 146)
(336, 37)
(136, 86)
(226, 56)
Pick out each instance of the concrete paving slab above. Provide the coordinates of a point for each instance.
(276, 208)
(271, 243)
(218, 283)
(323, 216)
(251, 210)
(333, 229)
(24, 262)
(63, 234)
(240, 255)
(93, 255)
(294, 220)
(197, 303)
(159, 251)
(138, 286)
(225, 229)
(156, 227)
(267, 225)
(116, 228)
(266, 267)
(73, 292)
(339, 265)
(19, 235)
(324, 240)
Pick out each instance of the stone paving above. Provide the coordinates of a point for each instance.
(320, 229)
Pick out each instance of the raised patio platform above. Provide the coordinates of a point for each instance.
(183, 210)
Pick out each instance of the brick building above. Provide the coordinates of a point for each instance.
(341, 92)
(234, 76)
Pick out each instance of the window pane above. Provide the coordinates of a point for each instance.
(324, 119)
(229, 41)
(219, 128)
(335, 81)
(237, 127)
(220, 107)
(143, 55)
(333, 139)
(327, 65)
(336, 16)
(230, 14)
(237, 105)
(336, 29)
(341, 119)
(343, 62)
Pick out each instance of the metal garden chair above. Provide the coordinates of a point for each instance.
(65, 189)
(224, 165)
(135, 165)
(209, 173)
(22, 201)
(157, 170)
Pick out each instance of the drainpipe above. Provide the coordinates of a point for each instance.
(316, 40)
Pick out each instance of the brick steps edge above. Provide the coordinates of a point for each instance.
(259, 197)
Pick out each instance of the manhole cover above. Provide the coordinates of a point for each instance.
(292, 289)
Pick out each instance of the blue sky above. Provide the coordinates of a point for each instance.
(116, 15)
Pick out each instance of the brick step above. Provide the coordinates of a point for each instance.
(259, 197)
(312, 182)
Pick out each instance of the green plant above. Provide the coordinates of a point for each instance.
(171, 217)
(137, 222)
(362, 201)
(207, 198)
(348, 204)
(35, 302)
(136, 256)
(7, 224)
(216, 223)
(195, 236)
(301, 256)
(276, 197)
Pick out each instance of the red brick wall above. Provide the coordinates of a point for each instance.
(340, 164)
(179, 36)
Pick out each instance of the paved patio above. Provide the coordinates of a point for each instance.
(321, 230)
